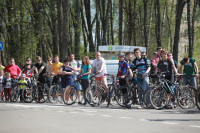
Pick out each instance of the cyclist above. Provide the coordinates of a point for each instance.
(56, 66)
(166, 65)
(49, 71)
(27, 72)
(156, 58)
(75, 66)
(67, 73)
(12, 69)
(22, 84)
(39, 68)
(99, 65)
(128, 57)
(7, 83)
(142, 64)
(123, 69)
(190, 69)
(85, 71)
(28, 62)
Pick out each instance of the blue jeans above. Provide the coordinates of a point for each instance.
(144, 82)
(77, 84)
(50, 80)
(192, 80)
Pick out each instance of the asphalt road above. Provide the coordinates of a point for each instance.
(58, 118)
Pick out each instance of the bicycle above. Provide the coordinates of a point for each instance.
(95, 94)
(70, 94)
(113, 87)
(55, 91)
(40, 90)
(198, 99)
(181, 95)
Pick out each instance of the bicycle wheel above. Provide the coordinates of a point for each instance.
(198, 99)
(54, 94)
(89, 96)
(158, 98)
(186, 97)
(27, 95)
(40, 94)
(120, 96)
(111, 95)
(70, 95)
(15, 94)
(146, 97)
(3, 98)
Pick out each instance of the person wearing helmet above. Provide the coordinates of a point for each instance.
(22, 84)
(123, 69)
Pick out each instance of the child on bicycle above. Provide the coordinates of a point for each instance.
(22, 84)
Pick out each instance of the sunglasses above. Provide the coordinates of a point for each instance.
(48, 60)
(28, 60)
(39, 60)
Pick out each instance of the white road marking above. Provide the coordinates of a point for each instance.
(194, 126)
(128, 118)
(171, 123)
(74, 112)
(143, 120)
(106, 115)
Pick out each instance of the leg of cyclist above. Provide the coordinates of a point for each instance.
(104, 81)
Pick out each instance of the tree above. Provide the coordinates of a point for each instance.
(77, 28)
(65, 30)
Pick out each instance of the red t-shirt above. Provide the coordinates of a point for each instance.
(13, 70)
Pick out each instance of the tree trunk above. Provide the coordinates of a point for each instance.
(179, 10)
(60, 24)
(98, 24)
(158, 21)
(111, 23)
(65, 30)
(54, 27)
(77, 28)
(191, 44)
(120, 21)
(89, 25)
(145, 24)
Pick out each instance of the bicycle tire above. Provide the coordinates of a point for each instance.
(27, 95)
(111, 95)
(40, 96)
(120, 97)
(184, 97)
(70, 95)
(54, 94)
(198, 99)
(158, 98)
(15, 94)
(146, 97)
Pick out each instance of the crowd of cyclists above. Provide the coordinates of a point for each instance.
(139, 81)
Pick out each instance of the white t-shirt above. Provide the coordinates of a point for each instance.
(75, 64)
(97, 66)
(8, 83)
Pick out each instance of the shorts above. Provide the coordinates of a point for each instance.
(99, 78)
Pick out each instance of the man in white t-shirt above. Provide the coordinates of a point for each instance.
(99, 65)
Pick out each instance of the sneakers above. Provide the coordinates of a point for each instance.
(79, 103)
(168, 106)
